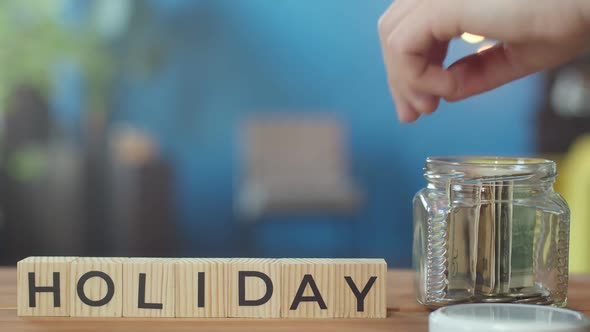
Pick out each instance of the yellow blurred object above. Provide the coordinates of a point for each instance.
(575, 187)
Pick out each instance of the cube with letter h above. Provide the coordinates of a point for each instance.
(43, 286)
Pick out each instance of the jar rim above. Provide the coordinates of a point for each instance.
(488, 161)
(489, 168)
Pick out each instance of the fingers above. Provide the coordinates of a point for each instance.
(387, 24)
(393, 16)
(405, 112)
(427, 77)
(413, 59)
(424, 103)
(484, 71)
(415, 34)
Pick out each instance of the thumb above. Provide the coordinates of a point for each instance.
(484, 71)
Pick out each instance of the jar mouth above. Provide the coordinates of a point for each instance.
(489, 168)
(488, 161)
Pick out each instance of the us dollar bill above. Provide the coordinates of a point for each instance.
(523, 237)
(504, 222)
(486, 242)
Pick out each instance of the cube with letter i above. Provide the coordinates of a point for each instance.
(201, 287)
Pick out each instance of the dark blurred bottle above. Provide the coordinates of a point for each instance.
(39, 182)
(566, 111)
(140, 220)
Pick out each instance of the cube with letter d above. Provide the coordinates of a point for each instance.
(254, 288)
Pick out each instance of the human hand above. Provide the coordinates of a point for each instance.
(415, 35)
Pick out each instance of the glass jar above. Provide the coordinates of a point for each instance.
(491, 230)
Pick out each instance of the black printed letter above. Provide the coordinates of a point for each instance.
(317, 297)
(242, 288)
(201, 289)
(141, 296)
(51, 289)
(360, 296)
(110, 288)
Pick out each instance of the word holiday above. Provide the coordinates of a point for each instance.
(201, 287)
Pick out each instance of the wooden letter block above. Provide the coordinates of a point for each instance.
(201, 287)
(43, 286)
(308, 288)
(96, 287)
(360, 288)
(254, 288)
(148, 287)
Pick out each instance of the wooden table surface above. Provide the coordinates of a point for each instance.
(403, 314)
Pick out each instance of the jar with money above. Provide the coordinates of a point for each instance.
(490, 230)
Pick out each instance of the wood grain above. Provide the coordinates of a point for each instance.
(360, 272)
(400, 321)
(322, 272)
(95, 288)
(255, 288)
(45, 271)
(403, 314)
(214, 283)
(159, 286)
(7, 288)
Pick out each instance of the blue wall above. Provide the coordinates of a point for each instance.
(195, 68)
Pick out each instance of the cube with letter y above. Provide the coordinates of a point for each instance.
(360, 288)
(148, 287)
(254, 287)
(43, 286)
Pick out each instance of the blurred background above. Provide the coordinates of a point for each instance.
(228, 128)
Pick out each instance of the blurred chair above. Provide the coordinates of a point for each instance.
(294, 165)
